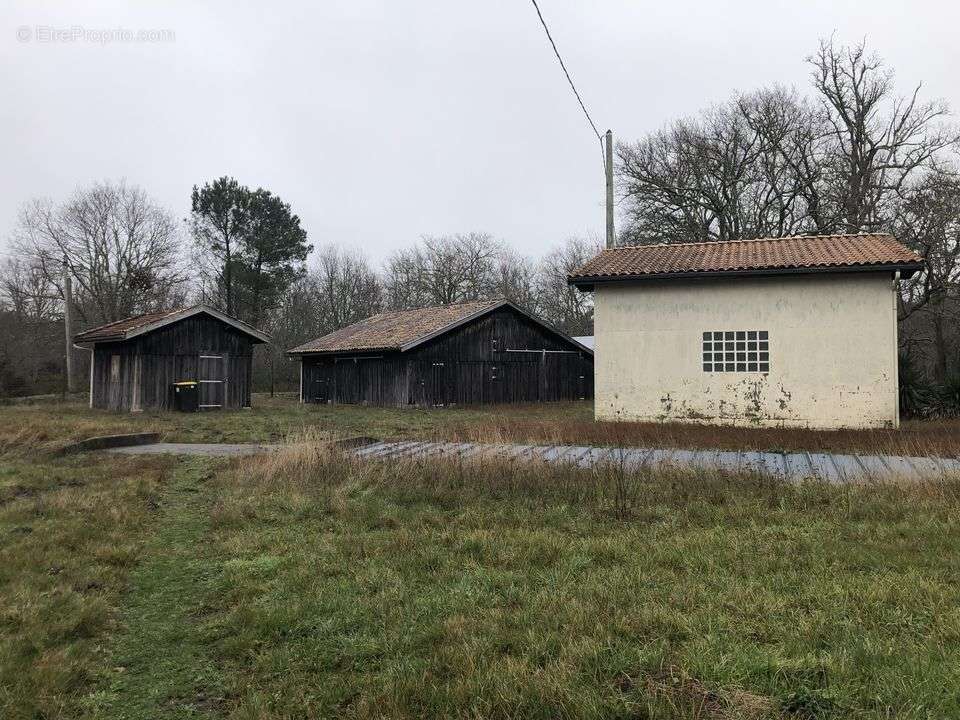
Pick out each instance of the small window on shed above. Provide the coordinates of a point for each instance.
(114, 368)
(736, 351)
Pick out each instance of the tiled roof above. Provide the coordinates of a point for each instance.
(128, 327)
(395, 330)
(118, 330)
(827, 253)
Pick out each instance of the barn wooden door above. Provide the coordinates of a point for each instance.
(213, 381)
(438, 378)
(321, 389)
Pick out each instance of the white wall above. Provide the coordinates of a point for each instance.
(833, 351)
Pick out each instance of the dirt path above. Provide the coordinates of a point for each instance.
(160, 663)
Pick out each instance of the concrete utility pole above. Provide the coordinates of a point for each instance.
(611, 236)
(67, 324)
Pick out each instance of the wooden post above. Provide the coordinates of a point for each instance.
(135, 405)
(67, 324)
(608, 167)
(542, 379)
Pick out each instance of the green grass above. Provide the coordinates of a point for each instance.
(160, 664)
(412, 591)
(302, 585)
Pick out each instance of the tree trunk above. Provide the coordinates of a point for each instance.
(228, 274)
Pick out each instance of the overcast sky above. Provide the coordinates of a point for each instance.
(383, 121)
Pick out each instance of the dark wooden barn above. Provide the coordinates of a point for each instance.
(136, 361)
(477, 352)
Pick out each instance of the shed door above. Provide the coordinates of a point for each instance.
(439, 381)
(213, 381)
(321, 386)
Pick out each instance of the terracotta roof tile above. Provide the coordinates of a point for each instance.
(122, 329)
(393, 330)
(117, 330)
(829, 253)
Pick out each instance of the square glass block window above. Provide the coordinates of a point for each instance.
(736, 351)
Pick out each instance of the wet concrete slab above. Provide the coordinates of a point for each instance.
(205, 449)
(796, 467)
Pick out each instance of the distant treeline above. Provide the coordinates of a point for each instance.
(852, 156)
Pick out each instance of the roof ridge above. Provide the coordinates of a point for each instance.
(136, 317)
(831, 236)
(436, 307)
(135, 324)
(398, 328)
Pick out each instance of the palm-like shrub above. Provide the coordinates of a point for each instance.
(915, 390)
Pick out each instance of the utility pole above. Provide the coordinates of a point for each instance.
(67, 324)
(608, 163)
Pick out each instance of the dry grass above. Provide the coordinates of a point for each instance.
(309, 464)
(49, 426)
(914, 438)
(688, 697)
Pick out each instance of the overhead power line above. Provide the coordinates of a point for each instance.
(565, 72)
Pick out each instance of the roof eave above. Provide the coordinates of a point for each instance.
(79, 340)
(298, 352)
(586, 283)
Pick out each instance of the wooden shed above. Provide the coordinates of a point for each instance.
(470, 353)
(135, 361)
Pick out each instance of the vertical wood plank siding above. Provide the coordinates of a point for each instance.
(168, 355)
(464, 366)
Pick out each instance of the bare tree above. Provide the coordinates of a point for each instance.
(515, 278)
(772, 163)
(443, 270)
(734, 172)
(26, 291)
(403, 280)
(122, 249)
(31, 336)
(784, 189)
(877, 142)
(929, 221)
(346, 287)
(339, 288)
(560, 304)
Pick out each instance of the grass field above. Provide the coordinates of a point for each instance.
(302, 585)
